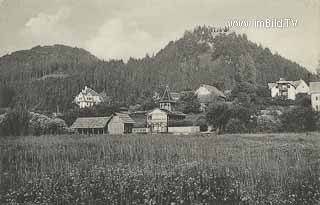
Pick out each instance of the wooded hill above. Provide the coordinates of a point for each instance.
(44, 77)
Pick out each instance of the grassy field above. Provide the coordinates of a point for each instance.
(161, 169)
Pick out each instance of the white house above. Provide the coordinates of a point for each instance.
(315, 95)
(288, 89)
(88, 98)
(208, 94)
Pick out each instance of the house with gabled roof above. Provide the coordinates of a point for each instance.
(208, 94)
(288, 89)
(315, 95)
(88, 98)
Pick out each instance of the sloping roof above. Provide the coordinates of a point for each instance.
(91, 122)
(125, 118)
(314, 87)
(297, 82)
(166, 97)
(282, 81)
(88, 90)
(214, 93)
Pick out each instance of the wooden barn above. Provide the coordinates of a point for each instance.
(120, 123)
(91, 125)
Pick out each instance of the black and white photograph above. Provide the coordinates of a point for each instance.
(160, 102)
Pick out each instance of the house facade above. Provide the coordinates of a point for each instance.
(288, 89)
(315, 95)
(159, 120)
(120, 123)
(88, 98)
(208, 94)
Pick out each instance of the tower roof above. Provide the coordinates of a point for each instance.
(166, 97)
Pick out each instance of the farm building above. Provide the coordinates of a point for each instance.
(208, 94)
(120, 123)
(91, 125)
(315, 95)
(288, 89)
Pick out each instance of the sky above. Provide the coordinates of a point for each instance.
(123, 28)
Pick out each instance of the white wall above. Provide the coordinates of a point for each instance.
(184, 130)
(115, 126)
(315, 101)
(140, 130)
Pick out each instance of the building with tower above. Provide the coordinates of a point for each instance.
(160, 119)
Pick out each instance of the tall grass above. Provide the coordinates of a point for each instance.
(161, 169)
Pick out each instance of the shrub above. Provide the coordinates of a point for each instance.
(269, 122)
(299, 119)
(235, 126)
(15, 122)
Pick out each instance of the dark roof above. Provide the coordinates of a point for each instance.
(125, 118)
(91, 122)
(314, 87)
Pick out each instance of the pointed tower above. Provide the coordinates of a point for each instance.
(166, 101)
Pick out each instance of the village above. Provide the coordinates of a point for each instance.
(167, 119)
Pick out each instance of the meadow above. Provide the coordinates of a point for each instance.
(161, 169)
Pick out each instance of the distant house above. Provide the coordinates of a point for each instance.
(288, 89)
(120, 123)
(315, 95)
(88, 98)
(91, 125)
(208, 94)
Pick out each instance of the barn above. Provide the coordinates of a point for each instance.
(120, 123)
(91, 125)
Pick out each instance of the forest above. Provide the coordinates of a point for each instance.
(46, 77)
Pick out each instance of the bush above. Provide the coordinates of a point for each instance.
(15, 122)
(269, 122)
(235, 126)
(298, 119)
(41, 124)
